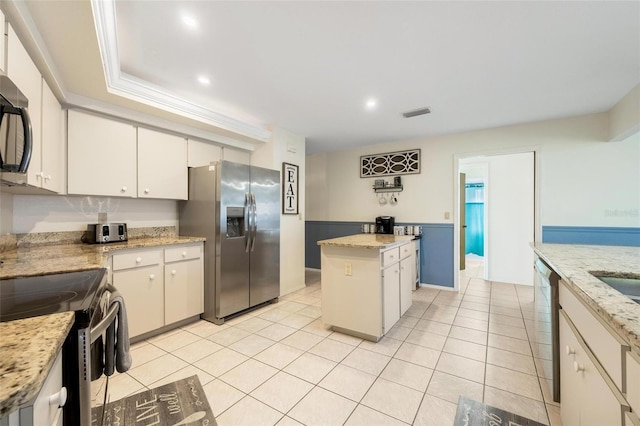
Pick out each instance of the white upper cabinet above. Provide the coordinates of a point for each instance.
(53, 173)
(101, 156)
(24, 74)
(2, 45)
(162, 165)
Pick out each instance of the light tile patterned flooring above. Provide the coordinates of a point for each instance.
(280, 365)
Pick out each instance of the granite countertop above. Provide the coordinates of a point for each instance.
(367, 241)
(28, 347)
(573, 263)
(59, 258)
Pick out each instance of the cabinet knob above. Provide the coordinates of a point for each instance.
(146, 190)
(123, 189)
(138, 259)
(570, 350)
(152, 276)
(184, 254)
(59, 398)
(173, 272)
(577, 367)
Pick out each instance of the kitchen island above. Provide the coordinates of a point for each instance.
(367, 282)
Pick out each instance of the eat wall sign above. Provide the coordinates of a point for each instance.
(289, 188)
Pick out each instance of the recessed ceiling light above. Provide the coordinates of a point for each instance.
(204, 80)
(371, 104)
(189, 22)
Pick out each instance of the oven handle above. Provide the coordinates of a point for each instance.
(106, 321)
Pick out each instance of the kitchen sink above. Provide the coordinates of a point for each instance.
(626, 283)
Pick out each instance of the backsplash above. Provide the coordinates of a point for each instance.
(10, 242)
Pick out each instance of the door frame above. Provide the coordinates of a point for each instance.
(485, 178)
(537, 171)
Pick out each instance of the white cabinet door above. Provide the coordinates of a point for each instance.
(390, 296)
(586, 397)
(53, 147)
(143, 292)
(407, 282)
(24, 74)
(183, 289)
(101, 156)
(162, 165)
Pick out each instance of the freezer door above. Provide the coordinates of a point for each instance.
(265, 244)
(232, 256)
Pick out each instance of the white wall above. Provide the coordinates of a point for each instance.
(285, 146)
(573, 155)
(509, 195)
(55, 213)
(6, 213)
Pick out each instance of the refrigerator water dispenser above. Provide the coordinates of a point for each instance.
(235, 222)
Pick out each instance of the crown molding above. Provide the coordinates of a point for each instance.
(130, 87)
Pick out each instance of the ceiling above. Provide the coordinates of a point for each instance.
(311, 66)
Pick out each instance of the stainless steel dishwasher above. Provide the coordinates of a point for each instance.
(546, 342)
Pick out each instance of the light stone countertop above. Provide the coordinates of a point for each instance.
(28, 347)
(573, 263)
(59, 258)
(367, 241)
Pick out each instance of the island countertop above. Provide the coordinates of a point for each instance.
(28, 347)
(573, 263)
(367, 241)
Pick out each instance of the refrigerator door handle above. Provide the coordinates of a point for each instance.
(247, 221)
(255, 220)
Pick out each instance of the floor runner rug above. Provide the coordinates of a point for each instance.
(474, 413)
(180, 403)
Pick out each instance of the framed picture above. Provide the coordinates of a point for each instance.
(289, 188)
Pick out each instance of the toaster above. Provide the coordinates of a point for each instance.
(99, 233)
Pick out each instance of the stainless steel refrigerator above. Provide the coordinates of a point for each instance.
(237, 208)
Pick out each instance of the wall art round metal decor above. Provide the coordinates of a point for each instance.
(390, 163)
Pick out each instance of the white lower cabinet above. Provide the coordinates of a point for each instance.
(592, 367)
(390, 296)
(183, 284)
(407, 283)
(161, 290)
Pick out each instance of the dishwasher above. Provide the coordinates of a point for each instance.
(547, 310)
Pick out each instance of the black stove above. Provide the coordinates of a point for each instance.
(26, 297)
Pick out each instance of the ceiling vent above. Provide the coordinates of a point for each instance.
(416, 112)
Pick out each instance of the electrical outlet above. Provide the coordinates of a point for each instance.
(347, 269)
(447, 215)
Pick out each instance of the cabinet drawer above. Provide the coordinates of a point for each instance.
(136, 259)
(633, 381)
(606, 346)
(406, 250)
(390, 256)
(183, 252)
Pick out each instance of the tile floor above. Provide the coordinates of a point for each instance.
(280, 365)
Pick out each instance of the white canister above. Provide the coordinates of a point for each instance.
(372, 228)
(365, 228)
(417, 230)
(408, 230)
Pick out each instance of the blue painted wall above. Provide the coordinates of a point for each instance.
(603, 236)
(436, 247)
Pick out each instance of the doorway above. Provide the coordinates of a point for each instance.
(499, 215)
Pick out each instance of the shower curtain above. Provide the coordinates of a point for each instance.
(474, 212)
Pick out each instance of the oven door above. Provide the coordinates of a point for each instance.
(83, 357)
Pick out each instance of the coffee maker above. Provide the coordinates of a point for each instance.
(385, 224)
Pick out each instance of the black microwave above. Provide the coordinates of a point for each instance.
(15, 128)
